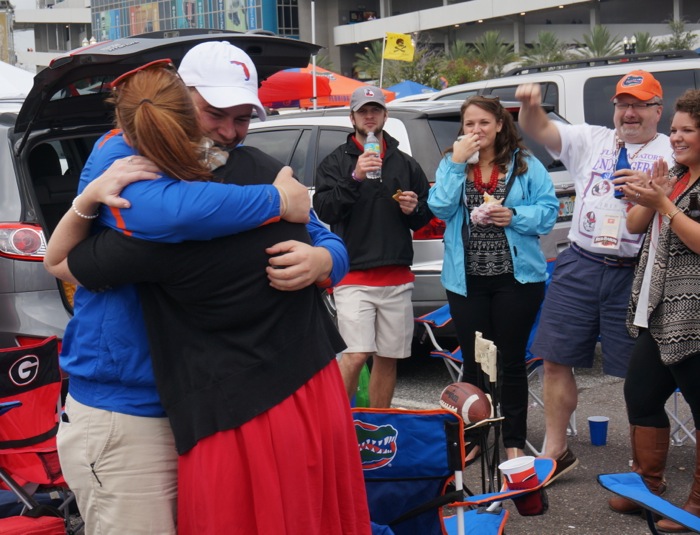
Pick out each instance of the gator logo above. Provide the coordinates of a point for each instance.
(632, 81)
(377, 444)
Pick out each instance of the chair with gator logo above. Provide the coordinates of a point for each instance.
(30, 391)
(413, 462)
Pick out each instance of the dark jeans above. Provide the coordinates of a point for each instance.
(503, 310)
(649, 384)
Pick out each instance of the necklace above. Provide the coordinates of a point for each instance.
(479, 183)
(619, 143)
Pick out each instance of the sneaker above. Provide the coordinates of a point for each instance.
(566, 462)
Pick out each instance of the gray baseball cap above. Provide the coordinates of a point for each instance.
(367, 94)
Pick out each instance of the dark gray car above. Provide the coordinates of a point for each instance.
(43, 149)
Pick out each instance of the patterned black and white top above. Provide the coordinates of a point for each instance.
(487, 252)
(674, 292)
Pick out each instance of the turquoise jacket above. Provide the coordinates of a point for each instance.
(532, 198)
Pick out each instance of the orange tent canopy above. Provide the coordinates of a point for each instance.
(341, 89)
(288, 86)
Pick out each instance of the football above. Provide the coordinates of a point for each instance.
(467, 400)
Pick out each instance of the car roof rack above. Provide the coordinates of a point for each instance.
(608, 60)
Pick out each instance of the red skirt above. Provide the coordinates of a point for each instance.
(293, 470)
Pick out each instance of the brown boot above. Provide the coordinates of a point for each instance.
(692, 505)
(649, 451)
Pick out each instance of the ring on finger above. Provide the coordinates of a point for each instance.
(637, 195)
(130, 159)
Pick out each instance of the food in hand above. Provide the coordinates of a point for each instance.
(490, 199)
(396, 195)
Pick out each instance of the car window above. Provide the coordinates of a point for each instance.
(598, 110)
(278, 143)
(460, 95)
(328, 140)
(550, 93)
(299, 157)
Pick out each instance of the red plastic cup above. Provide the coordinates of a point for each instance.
(520, 474)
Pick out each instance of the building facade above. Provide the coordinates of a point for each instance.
(346, 27)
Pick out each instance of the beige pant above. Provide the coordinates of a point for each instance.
(122, 469)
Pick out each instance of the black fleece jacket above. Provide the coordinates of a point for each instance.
(375, 231)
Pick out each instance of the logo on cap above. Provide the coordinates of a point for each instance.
(245, 68)
(632, 81)
(369, 92)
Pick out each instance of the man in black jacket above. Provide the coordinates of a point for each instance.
(375, 218)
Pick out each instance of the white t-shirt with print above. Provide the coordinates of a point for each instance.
(589, 152)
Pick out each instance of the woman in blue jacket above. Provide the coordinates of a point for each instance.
(495, 209)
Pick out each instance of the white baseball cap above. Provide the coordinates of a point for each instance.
(223, 74)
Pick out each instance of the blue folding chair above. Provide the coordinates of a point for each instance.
(630, 485)
(413, 463)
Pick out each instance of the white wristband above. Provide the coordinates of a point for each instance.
(80, 214)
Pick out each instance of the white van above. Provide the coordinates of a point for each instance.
(580, 90)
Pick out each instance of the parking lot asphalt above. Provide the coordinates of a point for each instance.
(577, 504)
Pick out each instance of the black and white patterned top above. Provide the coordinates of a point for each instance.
(486, 251)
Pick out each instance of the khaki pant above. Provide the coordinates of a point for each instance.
(122, 469)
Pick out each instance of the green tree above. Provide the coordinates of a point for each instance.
(426, 68)
(459, 50)
(370, 62)
(680, 38)
(494, 53)
(462, 70)
(323, 61)
(644, 43)
(599, 43)
(547, 49)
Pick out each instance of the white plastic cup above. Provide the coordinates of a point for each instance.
(518, 469)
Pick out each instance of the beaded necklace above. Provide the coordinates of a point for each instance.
(479, 183)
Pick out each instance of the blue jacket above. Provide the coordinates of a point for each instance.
(105, 348)
(536, 206)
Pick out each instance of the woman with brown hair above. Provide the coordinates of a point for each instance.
(494, 270)
(664, 312)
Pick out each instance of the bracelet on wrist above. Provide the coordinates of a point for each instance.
(356, 178)
(80, 214)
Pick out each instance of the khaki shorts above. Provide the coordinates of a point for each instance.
(376, 319)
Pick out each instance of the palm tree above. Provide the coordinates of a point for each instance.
(680, 39)
(371, 61)
(599, 43)
(547, 49)
(644, 43)
(323, 61)
(458, 50)
(493, 52)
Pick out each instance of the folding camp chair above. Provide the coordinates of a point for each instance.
(630, 485)
(682, 428)
(30, 380)
(412, 462)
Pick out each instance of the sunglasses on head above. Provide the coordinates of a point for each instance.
(157, 64)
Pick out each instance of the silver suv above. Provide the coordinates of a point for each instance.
(44, 147)
(424, 130)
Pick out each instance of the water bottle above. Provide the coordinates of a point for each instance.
(372, 145)
(694, 207)
(622, 163)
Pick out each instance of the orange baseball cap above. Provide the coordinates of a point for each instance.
(639, 84)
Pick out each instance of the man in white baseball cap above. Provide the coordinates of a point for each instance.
(222, 74)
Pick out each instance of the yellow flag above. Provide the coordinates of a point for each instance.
(399, 47)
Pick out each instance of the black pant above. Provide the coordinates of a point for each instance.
(649, 383)
(503, 310)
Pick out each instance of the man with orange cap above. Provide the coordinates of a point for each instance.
(590, 290)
